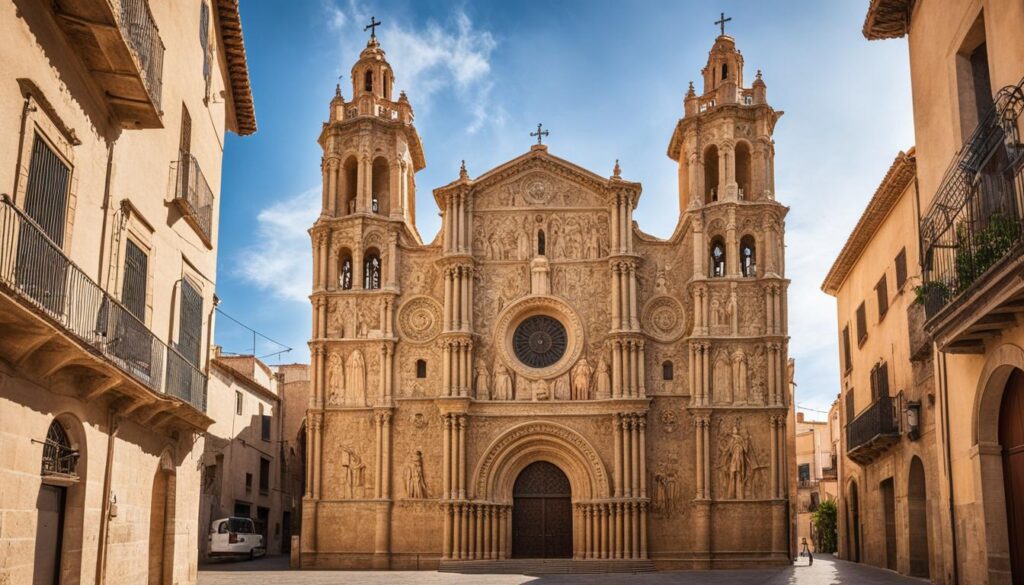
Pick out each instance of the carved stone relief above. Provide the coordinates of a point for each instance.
(412, 475)
(419, 319)
(353, 475)
(743, 468)
(664, 318)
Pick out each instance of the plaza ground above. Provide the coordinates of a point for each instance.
(826, 570)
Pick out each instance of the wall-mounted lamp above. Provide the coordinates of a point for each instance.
(913, 411)
(113, 506)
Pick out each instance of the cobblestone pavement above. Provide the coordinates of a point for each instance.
(825, 571)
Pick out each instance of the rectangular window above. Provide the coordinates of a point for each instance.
(901, 269)
(190, 323)
(248, 482)
(862, 324)
(850, 408)
(133, 287)
(264, 475)
(847, 360)
(882, 290)
(804, 471)
(265, 427)
(238, 402)
(41, 268)
(185, 139)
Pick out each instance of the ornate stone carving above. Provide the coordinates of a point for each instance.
(415, 483)
(741, 471)
(665, 499)
(538, 305)
(353, 475)
(581, 380)
(604, 381)
(419, 319)
(355, 380)
(502, 383)
(669, 421)
(335, 380)
(664, 318)
(482, 380)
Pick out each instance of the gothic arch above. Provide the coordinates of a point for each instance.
(521, 445)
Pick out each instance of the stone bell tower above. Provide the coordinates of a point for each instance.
(371, 152)
(738, 343)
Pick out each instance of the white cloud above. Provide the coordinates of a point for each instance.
(451, 56)
(281, 259)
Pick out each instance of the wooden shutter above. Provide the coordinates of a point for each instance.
(190, 323)
(882, 290)
(847, 361)
(862, 324)
(133, 287)
(901, 268)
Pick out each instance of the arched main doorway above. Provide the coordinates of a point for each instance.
(541, 513)
(1011, 439)
(918, 519)
(853, 525)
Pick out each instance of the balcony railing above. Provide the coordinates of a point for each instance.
(975, 221)
(34, 268)
(193, 195)
(873, 431)
(120, 44)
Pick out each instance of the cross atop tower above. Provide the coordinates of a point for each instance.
(539, 134)
(372, 27)
(721, 22)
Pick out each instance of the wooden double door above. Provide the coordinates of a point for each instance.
(1011, 438)
(542, 513)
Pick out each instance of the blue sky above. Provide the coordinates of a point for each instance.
(607, 79)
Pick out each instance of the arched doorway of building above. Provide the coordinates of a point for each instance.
(541, 513)
(1011, 439)
(853, 524)
(161, 525)
(917, 524)
(59, 504)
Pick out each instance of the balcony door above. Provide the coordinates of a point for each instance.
(41, 267)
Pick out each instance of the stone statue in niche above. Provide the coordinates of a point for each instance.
(523, 242)
(415, 484)
(665, 500)
(581, 380)
(722, 380)
(502, 383)
(355, 381)
(508, 246)
(661, 279)
(335, 380)
(742, 473)
(562, 388)
(716, 313)
(732, 311)
(539, 390)
(482, 380)
(604, 380)
(593, 251)
(353, 473)
(740, 379)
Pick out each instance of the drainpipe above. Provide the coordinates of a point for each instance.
(944, 388)
(106, 212)
(101, 555)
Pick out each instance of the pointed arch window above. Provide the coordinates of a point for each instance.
(371, 270)
(717, 258)
(748, 256)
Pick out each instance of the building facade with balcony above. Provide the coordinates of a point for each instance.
(112, 123)
(887, 454)
(812, 460)
(967, 73)
(244, 463)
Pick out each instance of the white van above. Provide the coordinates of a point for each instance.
(235, 537)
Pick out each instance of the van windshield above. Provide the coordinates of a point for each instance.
(241, 526)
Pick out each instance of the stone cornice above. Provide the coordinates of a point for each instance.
(230, 24)
(902, 172)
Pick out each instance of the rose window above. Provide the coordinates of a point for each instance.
(540, 341)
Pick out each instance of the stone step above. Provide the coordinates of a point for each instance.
(546, 566)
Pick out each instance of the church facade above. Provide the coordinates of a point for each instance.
(543, 379)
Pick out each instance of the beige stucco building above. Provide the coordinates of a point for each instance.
(112, 120)
(544, 379)
(965, 210)
(244, 455)
(812, 465)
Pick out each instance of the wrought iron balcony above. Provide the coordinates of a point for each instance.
(193, 196)
(120, 44)
(873, 431)
(35, 274)
(972, 234)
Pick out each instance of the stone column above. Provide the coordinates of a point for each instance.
(613, 220)
(464, 303)
(624, 296)
(634, 443)
(617, 436)
(446, 549)
(616, 307)
(462, 457)
(698, 440)
(706, 443)
(623, 224)
(642, 423)
(641, 369)
(732, 265)
(446, 452)
(616, 370)
(627, 466)
(378, 459)
(634, 323)
(449, 235)
(457, 531)
(705, 370)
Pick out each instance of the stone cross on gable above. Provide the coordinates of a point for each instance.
(539, 134)
(372, 27)
(721, 22)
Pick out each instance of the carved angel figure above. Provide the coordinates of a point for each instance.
(581, 380)
(415, 483)
(483, 380)
(335, 379)
(562, 388)
(604, 381)
(502, 383)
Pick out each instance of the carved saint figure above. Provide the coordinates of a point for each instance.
(483, 380)
(581, 380)
(502, 383)
(593, 251)
(722, 379)
(666, 492)
(353, 473)
(355, 381)
(415, 484)
(539, 390)
(523, 242)
(604, 380)
(335, 379)
(738, 463)
(732, 312)
(739, 377)
(661, 279)
(562, 388)
(716, 313)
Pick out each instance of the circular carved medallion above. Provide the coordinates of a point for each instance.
(538, 191)
(419, 319)
(664, 318)
(540, 341)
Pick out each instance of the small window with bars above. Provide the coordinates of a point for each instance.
(862, 324)
(133, 286)
(190, 323)
(901, 269)
(882, 292)
(59, 459)
(265, 427)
